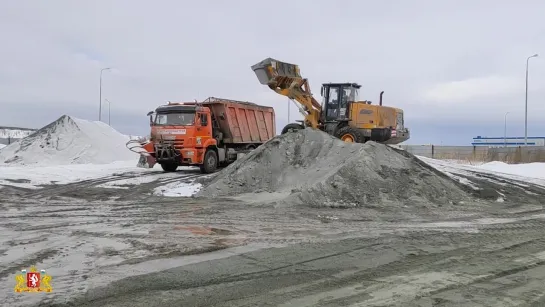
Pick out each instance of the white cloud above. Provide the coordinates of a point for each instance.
(184, 50)
(472, 89)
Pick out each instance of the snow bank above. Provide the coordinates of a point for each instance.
(69, 140)
(532, 170)
(531, 173)
(2, 146)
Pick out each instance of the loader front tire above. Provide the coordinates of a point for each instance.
(350, 135)
(169, 167)
(292, 128)
(210, 162)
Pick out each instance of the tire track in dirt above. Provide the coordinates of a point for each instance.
(36, 257)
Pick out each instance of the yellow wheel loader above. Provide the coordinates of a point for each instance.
(341, 113)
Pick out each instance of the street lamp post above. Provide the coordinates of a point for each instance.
(505, 131)
(526, 103)
(289, 110)
(109, 103)
(100, 94)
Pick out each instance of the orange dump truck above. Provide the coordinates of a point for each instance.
(207, 134)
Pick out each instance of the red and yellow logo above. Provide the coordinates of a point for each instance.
(33, 281)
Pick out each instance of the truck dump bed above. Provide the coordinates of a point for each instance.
(242, 122)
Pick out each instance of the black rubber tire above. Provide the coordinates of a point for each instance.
(292, 127)
(356, 134)
(210, 163)
(169, 167)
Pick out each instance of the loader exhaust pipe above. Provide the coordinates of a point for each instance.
(380, 100)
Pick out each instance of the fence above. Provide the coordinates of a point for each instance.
(478, 153)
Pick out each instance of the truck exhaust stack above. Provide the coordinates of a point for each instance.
(380, 100)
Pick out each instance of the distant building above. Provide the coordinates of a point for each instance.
(507, 142)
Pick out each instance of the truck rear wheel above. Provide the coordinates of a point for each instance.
(169, 167)
(292, 128)
(350, 135)
(210, 163)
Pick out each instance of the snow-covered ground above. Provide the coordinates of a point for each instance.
(177, 189)
(530, 172)
(34, 176)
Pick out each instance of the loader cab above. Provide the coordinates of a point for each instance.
(337, 98)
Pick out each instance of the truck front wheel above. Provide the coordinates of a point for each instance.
(169, 167)
(210, 163)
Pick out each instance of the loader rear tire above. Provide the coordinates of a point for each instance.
(169, 167)
(210, 163)
(350, 135)
(292, 128)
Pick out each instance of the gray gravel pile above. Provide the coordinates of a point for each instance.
(312, 168)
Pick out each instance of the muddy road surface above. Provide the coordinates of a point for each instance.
(125, 246)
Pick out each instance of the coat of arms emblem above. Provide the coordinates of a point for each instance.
(33, 281)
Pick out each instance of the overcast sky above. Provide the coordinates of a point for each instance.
(455, 67)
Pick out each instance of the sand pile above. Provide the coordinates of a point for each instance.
(69, 140)
(313, 168)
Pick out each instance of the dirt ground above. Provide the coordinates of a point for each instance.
(127, 247)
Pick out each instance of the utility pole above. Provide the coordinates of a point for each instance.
(100, 94)
(526, 103)
(289, 110)
(505, 130)
(109, 103)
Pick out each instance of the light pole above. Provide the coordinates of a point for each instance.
(505, 130)
(100, 94)
(109, 103)
(289, 110)
(526, 103)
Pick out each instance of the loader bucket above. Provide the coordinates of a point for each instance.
(269, 70)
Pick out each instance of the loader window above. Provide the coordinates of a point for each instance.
(333, 102)
(175, 119)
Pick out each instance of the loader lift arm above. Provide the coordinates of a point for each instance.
(285, 79)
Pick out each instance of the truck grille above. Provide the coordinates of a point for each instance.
(164, 143)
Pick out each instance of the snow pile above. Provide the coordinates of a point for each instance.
(69, 140)
(313, 168)
(2, 146)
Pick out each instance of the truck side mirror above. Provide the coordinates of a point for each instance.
(322, 91)
(204, 120)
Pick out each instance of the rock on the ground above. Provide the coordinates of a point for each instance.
(313, 168)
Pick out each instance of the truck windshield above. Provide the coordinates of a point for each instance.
(175, 119)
